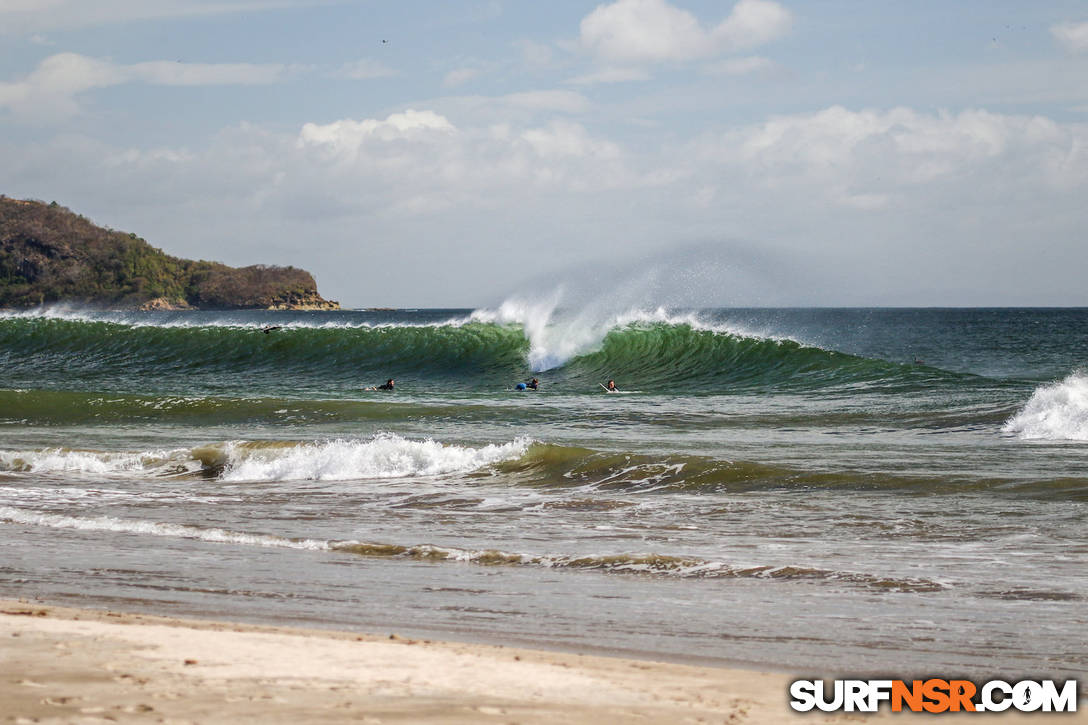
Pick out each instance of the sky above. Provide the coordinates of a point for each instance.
(438, 154)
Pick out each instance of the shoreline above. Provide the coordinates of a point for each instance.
(74, 663)
(66, 664)
(471, 636)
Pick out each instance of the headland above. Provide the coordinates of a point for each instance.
(49, 254)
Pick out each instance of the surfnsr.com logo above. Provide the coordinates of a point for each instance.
(934, 695)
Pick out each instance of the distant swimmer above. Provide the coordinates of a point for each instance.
(270, 328)
(534, 384)
(611, 387)
(388, 386)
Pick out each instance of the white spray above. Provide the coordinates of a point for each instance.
(1055, 412)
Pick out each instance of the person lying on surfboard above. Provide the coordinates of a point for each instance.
(388, 386)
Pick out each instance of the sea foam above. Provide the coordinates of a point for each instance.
(1058, 411)
(54, 460)
(617, 563)
(155, 528)
(384, 456)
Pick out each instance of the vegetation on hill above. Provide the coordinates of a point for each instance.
(49, 254)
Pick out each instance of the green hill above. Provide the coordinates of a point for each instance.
(49, 254)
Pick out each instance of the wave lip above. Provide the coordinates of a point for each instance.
(64, 312)
(555, 339)
(1055, 412)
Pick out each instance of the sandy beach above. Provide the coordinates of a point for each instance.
(85, 666)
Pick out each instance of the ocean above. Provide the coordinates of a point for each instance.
(892, 491)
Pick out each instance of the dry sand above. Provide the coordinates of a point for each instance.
(59, 664)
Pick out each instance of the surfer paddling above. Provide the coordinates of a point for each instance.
(533, 384)
(389, 385)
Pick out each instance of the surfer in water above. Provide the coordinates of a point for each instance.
(533, 385)
(611, 387)
(387, 386)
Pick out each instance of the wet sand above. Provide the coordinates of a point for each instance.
(68, 665)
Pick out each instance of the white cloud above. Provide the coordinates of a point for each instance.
(535, 55)
(50, 89)
(1072, 36)
(514, 110)
(740, 66)
(170, 73)
(562, 138)
(866, 158)
(610, 75)
(346, 137)
(836, 157)
(422, 154)
(561, 101)
(751, 24)
(459, 76)
(829, 137)
(870, 158)
(637, 31)
(365, 69)
(148, 157)
(896, 187)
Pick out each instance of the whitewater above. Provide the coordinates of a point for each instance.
(780, 487)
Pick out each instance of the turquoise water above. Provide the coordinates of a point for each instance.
(894, 491)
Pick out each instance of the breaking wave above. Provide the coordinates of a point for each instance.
(1055, 412)
(383, 456)
(519, 463)
(648, 349)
